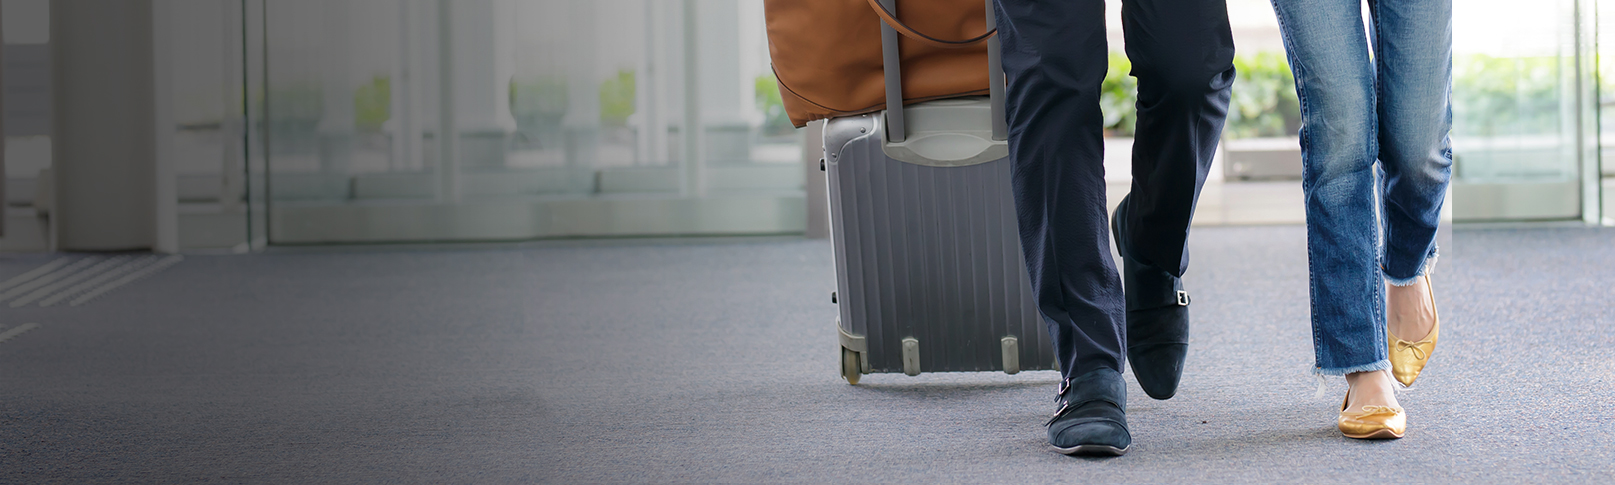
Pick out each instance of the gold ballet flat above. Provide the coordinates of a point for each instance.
(1372, 422)
(1409, 358)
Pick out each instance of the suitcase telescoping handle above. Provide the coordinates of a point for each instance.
(892, 60)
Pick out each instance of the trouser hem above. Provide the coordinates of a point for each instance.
(1383, 364)
(1428, 267)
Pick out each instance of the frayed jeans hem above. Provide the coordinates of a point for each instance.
(1340, 371)
(1427, 268)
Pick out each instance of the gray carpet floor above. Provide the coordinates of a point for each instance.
(714, 361)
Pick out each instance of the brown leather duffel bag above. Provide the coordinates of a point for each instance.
(827, 53)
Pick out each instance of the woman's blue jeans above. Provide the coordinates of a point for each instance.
(1376, 159)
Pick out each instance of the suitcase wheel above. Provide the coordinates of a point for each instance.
(851, 369)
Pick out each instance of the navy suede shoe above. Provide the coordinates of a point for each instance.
(1157, 322)
(1092, 419)
(1157, 357)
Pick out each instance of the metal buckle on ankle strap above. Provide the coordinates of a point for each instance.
(1064, 407)
(1183, 298)
(1059, 397)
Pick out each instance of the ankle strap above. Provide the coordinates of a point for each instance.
(1152, 288)
(1097, 385)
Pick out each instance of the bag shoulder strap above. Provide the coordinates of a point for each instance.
(898, 25)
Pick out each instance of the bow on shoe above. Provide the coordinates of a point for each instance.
(1418, 352)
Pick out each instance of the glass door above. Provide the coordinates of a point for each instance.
(441, 120)
(1605, 176)
(1523, 127)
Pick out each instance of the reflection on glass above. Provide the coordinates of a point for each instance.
(1606, 112)
(1514, 99)
(595, 89)
(27, 109)
(348, 114)
(204, 41)
(547, 100)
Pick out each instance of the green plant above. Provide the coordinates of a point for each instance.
(617, 99)
(1118, 96)
(1263, 102)
(1494, 96)
(372, 104)
(775, 121)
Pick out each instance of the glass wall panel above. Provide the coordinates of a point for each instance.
(200, 58)
(351, 100)
(1606, 107)
(27, 121)
(431, 120)
(1516, 111)
(567, 120)
(595, 97)
(205, 140)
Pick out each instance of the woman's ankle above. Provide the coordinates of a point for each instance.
(1410, 312)
(1370, 388)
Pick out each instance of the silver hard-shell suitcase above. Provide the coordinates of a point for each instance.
(929, 271)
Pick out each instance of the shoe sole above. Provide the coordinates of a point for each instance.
(1383, 434)
(1091, 450)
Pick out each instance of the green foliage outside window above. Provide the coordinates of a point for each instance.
(1118, 96)
(775, 121)
(1494, 96)
(617, 99)
(372, 104)
(1263, 102)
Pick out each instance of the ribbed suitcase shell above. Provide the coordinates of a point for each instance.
(930, 253)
